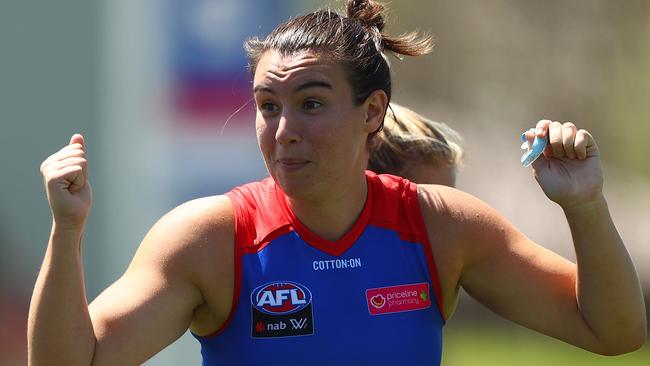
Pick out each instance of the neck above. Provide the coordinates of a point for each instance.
(332, 217)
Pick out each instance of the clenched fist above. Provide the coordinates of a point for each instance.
(570, 171)
(65, 175)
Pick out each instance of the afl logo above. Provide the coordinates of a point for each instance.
(277, 298)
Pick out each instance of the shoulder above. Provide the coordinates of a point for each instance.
(468, 222)
(195, 219)
(188, 235)
(455, 205)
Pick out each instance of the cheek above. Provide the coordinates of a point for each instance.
(263, 133)
(342, 140)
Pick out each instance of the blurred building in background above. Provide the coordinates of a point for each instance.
(161, 92)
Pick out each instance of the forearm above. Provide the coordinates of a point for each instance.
(608, 291)
(60, 331)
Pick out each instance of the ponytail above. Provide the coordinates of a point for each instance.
(370, 14)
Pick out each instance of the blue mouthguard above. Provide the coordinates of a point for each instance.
(532, 152)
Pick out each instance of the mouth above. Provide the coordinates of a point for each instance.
(291, 164)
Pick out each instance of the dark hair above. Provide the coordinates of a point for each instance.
(357, 40)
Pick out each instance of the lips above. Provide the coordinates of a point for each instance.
(290, 161)
(291, 164)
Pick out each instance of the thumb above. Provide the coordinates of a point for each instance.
(77, 139)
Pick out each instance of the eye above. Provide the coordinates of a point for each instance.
(268, 107)
(312, 104)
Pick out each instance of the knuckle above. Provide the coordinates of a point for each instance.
(75, 152)
(569, 125)
(46, 167)
(49, 178)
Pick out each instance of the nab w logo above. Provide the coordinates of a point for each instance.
(298, 323)
(281, 309)
(278, 298)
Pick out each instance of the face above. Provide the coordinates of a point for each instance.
(310, 133)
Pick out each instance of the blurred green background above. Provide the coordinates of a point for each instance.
(499, 66)
(470, 346)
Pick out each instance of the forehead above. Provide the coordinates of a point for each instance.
(275, 70)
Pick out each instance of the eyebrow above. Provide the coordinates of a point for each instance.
(301, 87)
(313, 84)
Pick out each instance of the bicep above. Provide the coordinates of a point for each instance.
(140, 314)
(153, 303)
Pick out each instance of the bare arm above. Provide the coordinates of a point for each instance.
(149, 307)
(154, 302)
(58, 309)
(608, 291)
(596, 304)
(59, 328)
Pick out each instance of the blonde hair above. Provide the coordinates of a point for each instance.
(409, 138)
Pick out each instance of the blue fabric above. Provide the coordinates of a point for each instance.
(344, 331)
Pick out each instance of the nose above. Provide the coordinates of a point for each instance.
(288, 131)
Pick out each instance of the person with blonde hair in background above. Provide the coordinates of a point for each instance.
(416, 148)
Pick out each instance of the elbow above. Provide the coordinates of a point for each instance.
(620, 349)
(623, 345)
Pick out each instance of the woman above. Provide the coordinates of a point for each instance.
(416, 148)
(323, 253)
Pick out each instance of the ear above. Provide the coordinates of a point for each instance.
(375, 108)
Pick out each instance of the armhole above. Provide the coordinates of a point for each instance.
(241, 233)
(414, 207)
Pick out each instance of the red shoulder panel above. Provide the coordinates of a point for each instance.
(258, 217)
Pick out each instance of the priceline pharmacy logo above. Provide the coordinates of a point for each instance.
(397, 299)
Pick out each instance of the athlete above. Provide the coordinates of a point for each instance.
(324, 262)
(416, 148)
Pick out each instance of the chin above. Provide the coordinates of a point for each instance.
(296, 187)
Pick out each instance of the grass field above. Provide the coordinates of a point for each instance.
(486, 346)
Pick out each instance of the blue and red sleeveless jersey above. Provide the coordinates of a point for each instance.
(370, 298)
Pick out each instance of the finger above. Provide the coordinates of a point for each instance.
(65, 148)
(77, 139)
(68, 153)
(71, 177)
(79, 180)
(76, 146)
(555, 139)
(74, 161)
(568, 139)
(79, 161)
(542, 127)
(65, 153)
(585, 144)
(51, 170)
(529, 135)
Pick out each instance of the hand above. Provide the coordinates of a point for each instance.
(69, 194)
(569, 172)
